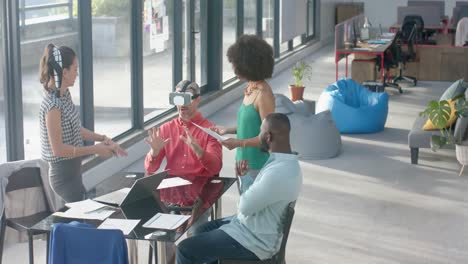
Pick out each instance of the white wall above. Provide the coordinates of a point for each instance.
(378, 11)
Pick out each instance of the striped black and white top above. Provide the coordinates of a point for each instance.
(71, 124)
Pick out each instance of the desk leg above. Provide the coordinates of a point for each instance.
(336, 64)
(382, 70)
(160, 253)
(218, 209)
(336, 72)
(346, 67)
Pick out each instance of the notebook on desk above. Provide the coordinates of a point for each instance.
(141, 189)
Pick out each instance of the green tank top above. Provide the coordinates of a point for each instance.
(248, 126)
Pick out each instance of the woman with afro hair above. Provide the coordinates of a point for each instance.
(252, 60)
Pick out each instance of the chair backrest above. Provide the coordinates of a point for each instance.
(289, 214)
(26, 178)
(412, 29)
(461, 35)
(83, 243)
(459, 12)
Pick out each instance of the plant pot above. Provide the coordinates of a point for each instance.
(461, 150)
(297, 92)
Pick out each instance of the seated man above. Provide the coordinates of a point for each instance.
(189, 152)
(253, 234)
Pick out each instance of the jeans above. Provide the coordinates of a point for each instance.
(210, 244)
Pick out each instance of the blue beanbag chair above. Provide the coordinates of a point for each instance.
(355, 109)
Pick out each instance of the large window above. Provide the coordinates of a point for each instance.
(57, 21)
(42, 26)
(297, 41)
(192, 53)
(268, 21)
(250, 17)
(111, 65)
(311, 17)
(2, 102)
(157, 56)
(57, 10)
(229, 35)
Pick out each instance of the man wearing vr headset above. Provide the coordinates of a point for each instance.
(189, 151)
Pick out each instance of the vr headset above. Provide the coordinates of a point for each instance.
(182, 97)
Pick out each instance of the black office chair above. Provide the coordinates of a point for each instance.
(407, 36)
(390, 61)
(29, 177)
(278, 258)
(422, 35)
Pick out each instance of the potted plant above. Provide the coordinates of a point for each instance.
(439, 113)
(299, 71)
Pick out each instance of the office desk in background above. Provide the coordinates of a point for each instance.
(364, 48)
(438, 28)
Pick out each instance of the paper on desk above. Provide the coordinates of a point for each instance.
(126, 225)
(388, 35)
(85, 205)
(166, 221)
(173, 182)
(361, 49)
(99, 214)
(211, 133)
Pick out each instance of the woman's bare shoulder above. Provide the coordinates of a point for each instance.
(265, 89)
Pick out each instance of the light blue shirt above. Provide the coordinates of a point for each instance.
(259, 221)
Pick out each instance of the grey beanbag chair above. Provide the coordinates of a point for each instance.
(312, 136)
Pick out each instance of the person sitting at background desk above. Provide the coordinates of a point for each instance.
(188, 150)
(253, 234)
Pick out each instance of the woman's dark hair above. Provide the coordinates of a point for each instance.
(252, 58)
(46, 72)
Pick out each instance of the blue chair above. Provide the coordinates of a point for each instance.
(355, 109)
(76, 242)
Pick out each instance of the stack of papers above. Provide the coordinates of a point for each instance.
(85, 205)
(166, 221)
(388, 35)
(173, 182)
(125, 225)
(211, 133)
(87, 209)
(381, 41)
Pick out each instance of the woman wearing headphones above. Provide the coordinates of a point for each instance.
(61, 132)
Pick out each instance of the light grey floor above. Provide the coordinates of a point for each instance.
(369, 205)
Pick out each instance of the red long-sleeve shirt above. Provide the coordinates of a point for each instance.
(181, 159)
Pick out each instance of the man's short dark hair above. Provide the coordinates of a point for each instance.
(278, 122)
(252, 58)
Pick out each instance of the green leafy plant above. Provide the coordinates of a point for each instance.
(439, 113)
(299, 71)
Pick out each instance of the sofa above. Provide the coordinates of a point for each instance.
(419, 138)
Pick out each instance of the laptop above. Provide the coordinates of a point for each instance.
(140, 190)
